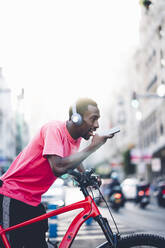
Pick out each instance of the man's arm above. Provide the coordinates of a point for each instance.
(61, 165)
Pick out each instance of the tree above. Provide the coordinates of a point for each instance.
(129, 167)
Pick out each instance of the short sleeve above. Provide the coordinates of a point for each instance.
(53, 144)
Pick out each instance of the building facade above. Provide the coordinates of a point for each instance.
(14, 131)
(150, 75)
(142, 121)
(7, 126)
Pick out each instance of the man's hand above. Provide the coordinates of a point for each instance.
(81, 168)
(99, 140)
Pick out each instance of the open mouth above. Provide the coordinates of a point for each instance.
(91, 132)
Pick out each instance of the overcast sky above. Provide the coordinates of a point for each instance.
(61, 50)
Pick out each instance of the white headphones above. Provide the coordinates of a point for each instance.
(76, 117)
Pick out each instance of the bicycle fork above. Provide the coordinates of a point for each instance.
(110, 236)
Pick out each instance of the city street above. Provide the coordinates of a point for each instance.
(129, 219)
(72, 72)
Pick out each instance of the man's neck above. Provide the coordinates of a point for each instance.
(72, 130)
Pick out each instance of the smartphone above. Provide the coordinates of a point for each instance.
(110, 131)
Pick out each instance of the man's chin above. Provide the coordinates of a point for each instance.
(87, 137)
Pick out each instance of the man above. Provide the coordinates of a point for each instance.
(50, 154)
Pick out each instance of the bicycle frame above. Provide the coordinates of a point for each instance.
(90, 209)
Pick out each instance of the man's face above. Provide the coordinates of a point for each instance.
(90, 122)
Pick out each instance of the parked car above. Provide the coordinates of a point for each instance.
(55, 194)
(129, 188)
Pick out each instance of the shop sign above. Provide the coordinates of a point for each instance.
(156, 164)
(138, 155)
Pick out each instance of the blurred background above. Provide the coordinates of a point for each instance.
(52, 52)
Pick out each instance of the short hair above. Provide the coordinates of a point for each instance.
(82, 106)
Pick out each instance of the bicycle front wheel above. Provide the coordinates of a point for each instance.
(139, 241)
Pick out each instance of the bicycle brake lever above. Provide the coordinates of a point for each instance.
(96, 182)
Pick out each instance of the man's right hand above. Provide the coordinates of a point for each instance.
(99, 140)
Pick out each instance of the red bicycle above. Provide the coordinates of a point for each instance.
(89, 208)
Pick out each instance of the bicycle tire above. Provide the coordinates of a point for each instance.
(139, 241)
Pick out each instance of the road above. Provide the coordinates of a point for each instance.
(129, 219)
(150, 220)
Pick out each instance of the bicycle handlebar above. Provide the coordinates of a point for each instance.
(86, 178)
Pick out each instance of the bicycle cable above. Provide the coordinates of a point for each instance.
(117, 229)
(97, 187)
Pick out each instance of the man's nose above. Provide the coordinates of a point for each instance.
(96, 124)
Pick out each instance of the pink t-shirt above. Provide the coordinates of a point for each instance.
(30, 175)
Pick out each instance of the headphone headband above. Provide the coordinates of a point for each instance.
(74, 109)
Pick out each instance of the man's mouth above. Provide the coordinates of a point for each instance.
(91, 132)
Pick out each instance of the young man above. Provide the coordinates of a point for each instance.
(50, 154)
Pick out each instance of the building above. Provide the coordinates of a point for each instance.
(7, 126)
(139, 110)
(144, 127)
(150, 76)
(14, 131)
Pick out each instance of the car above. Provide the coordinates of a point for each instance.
(129, 188)
(55, 194)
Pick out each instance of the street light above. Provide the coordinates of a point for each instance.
(161, 90)
(139, 115)
(160, 95)
(135, 99)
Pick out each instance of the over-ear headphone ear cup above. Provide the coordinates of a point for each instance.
(77, 119)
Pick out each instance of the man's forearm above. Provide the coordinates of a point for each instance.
(75, 160)
(60, 165)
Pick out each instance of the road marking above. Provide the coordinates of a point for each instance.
(92, 231)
